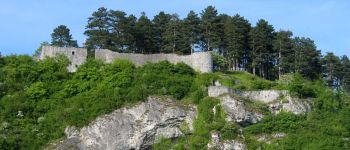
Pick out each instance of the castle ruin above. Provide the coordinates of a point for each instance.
(200, 61)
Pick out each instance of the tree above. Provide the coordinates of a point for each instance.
(160, 23)
(118, 25)
(208, 26)
(144, 35)
(261, 38)
(331, 65)
(283, 45)
(97, 30)
(237, 35)
(344, 73)
(61, 37)
(191, 30)
(307, 59)
(171, 35)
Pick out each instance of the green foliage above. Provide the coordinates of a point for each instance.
(61, 37)
(241, 80)
(50, 98)
(301, 87)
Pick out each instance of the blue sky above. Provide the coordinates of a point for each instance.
(26, 23)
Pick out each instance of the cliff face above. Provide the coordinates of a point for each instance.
(137, 127)
(140, 126)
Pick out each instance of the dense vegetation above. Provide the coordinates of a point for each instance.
(235, 43)
(39, 99)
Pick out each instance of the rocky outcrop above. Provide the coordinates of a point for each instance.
(132, 128)
(265, 96)
(236, 111)
(290, 104)
(276, 100)
(269, 138)
(217, 144)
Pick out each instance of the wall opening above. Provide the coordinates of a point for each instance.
(73, 52)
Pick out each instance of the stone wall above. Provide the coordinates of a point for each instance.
(76, 56)
(200, 61)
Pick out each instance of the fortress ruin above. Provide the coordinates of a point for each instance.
(200, 61)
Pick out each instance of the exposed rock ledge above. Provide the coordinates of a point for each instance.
(132, 128)
(277, 100)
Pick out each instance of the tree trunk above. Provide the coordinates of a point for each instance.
(280, 61)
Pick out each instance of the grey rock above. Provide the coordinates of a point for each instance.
(216, 143)
(276, 100)
(236, 111)
(136, 127)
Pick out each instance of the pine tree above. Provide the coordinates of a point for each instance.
(191, 31)
(307, 59)
(344, 73)
(118, 25)
(237, 35)
(61, 37)
(97, 30)
(160, 22)
(171, 36)
(261, 38)
(208, 26)
(283, 46)
(331, 64)
(144, 35)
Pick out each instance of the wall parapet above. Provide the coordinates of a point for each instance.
(200, 61)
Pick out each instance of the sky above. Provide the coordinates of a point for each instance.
(24, 24)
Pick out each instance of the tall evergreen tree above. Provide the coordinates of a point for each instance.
(331, 64)
(261, 41)
(209, 22)
(307, 59)
(118, 25)
(171, 36)
(283, 46)
(97, 30)
(237, 35)
(344, 73)
(144, 35)
(61, 37)
(191, 31)
(160, 22)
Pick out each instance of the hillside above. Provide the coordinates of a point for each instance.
(40, 99)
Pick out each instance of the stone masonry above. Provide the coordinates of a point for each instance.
(76, 56)
(200, 61)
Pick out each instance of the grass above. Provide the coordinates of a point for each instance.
(242, 80)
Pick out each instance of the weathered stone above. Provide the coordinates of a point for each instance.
(265, 96)
(216, 143)
(236, 111)
(276, 100)
(200, 61)
(132, 128)
(76, 56)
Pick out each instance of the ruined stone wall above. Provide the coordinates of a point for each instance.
(201, 61)
(76, 56)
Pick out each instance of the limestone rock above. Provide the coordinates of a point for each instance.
(217, 144)
(131, 128)
(236, 111)
(277, 100)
